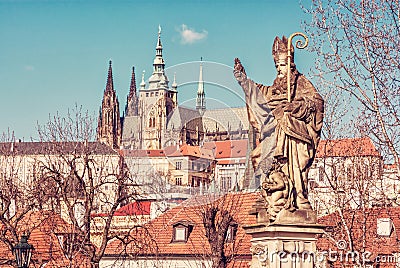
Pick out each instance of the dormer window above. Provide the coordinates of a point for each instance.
(181, 231)
(231, 233)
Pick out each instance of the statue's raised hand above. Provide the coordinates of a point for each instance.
(239, 67)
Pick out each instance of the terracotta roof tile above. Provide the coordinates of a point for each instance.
(359, 221)
(347, 147)
(160, 230)
(131, 209)
(188, 150)
(44, 226)
(228, 148)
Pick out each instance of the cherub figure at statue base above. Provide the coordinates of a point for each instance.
(275, 190)
(279, 201)
(278, 194)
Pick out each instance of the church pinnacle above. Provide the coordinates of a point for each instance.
(201, 96)
(132, 89)
(131, 108)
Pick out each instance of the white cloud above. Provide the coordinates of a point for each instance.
(29, 68)
(190, 36)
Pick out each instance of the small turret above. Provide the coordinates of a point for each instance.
(174, 84)
(143, 83)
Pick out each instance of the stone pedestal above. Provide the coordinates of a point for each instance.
(283, 245)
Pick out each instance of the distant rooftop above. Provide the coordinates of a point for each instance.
(49, 148)
(347, 147)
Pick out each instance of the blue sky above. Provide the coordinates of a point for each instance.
(54, 54)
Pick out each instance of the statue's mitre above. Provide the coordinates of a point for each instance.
(280, 48)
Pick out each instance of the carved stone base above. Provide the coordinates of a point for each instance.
(283, 245)
(305, 216)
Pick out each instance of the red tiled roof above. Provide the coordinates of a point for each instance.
(188, 150)
(43, 227)
(390, 166)
(131, 209)
(347, 147)
(357, 222)
(228, 148)
(160, 230)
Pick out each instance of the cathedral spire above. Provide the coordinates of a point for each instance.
(158, 60)
(131, 108)
(110, 83)
(132, 89)
(109, 122)
(159, 45)
(200, 100)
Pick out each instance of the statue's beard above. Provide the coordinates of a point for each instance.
(281, 82)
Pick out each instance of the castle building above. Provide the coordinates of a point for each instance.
(152, 119)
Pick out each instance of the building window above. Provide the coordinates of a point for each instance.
(178, 181)
(226, 183)
(178, 165)
(147, 94)
(311, 185)
(181, 231)
(152, 122)
(231, 233)
(321, 172)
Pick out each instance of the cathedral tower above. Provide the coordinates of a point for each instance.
(157, 101)
(109, 123)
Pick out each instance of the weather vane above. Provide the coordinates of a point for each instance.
(300, 45)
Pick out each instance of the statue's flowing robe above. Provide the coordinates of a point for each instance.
(287, 132)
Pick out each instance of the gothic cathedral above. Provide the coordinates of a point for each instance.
(152, 118)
